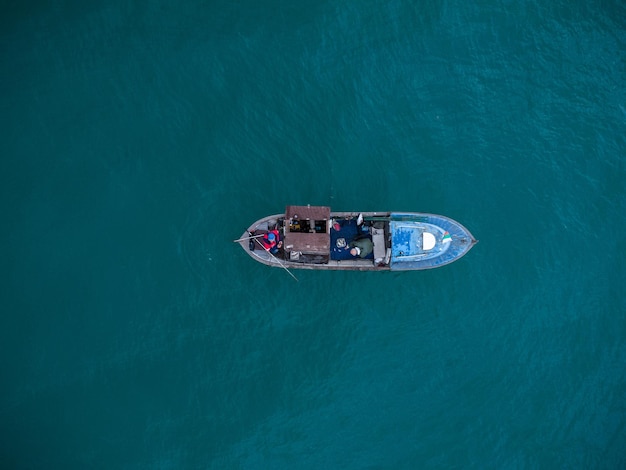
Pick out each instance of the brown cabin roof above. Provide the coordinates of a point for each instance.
(314, 243)
(307, 212)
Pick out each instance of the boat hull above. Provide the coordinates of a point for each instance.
(412, 241)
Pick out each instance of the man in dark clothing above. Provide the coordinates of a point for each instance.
(361, 247)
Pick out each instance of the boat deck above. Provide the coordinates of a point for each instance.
(348, 231)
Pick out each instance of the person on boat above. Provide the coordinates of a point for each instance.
(271, 241)
(361, 247)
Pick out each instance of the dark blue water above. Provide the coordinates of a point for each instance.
(139, 140)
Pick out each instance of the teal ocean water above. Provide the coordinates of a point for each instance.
(140, 138)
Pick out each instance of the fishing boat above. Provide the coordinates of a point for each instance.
(313, 237)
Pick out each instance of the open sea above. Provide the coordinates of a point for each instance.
(139, 139)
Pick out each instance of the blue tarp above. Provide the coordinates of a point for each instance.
(349, 231)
